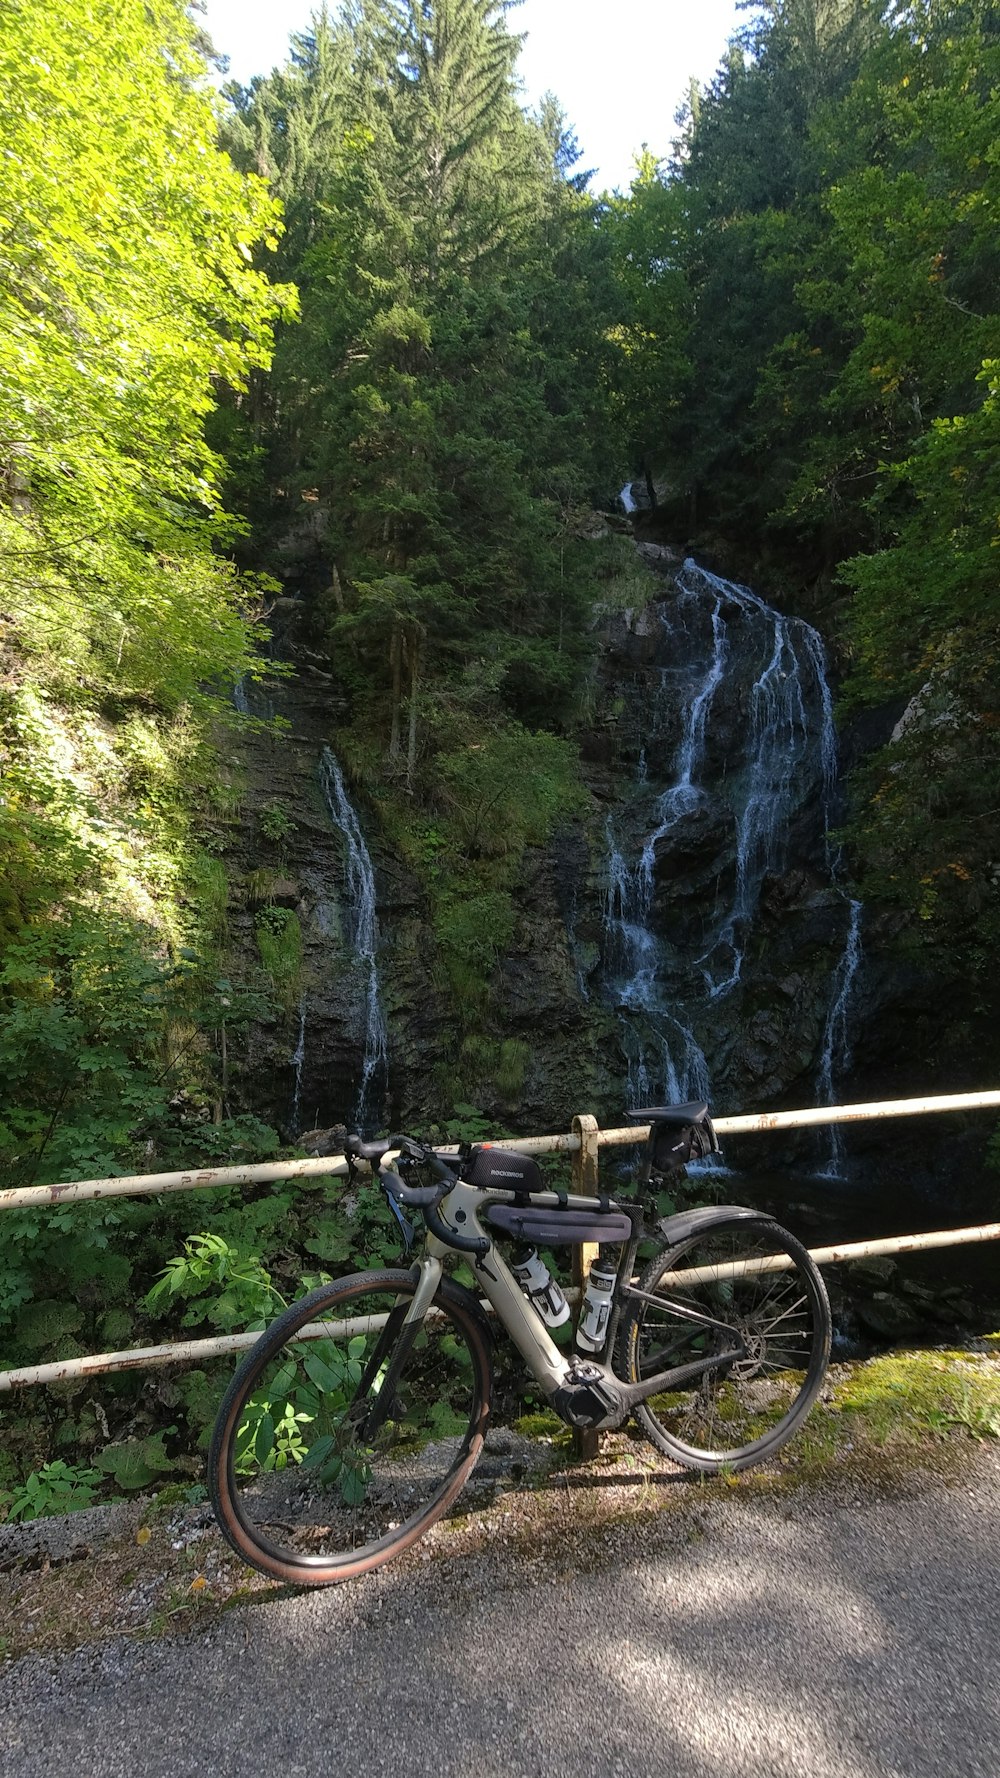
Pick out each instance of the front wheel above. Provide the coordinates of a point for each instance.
(742, 1284)
(347, 1430)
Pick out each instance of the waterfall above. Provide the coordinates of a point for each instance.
(248, 693)
(298, 1061)
(363, 937)
(792, 676)
(836, 1055)
(783, 757)
(632, 947)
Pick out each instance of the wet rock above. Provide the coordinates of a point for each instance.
(529, 992)
(701, 839)
(658, 555)
(889, 1316)
(877, 1269)
(319, 1143)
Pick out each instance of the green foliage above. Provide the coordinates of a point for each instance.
(295, 1420)
(279, 941)
(369, 1236)
(475, 930)
(43, 1324)
(654, 376)
(126, 294)
(469, 1125)
(445, 397)
(128, 297)
(56, 1488)
(238, 1286)
(495, 1065)
(136, 1462)
(82, 1014)
(507, 789)
(206, 886)
(276, 823)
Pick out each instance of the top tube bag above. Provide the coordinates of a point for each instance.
(554, 1227)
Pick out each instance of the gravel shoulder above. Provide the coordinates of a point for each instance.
(839, 1619)
(714, 1630)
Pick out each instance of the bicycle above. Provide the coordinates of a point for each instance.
(352, 1425)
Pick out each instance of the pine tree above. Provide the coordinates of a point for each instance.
(289, 128)
(439, 392)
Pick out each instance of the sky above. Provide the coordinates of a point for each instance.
(620, 75)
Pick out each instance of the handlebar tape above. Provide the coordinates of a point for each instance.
(477, 1244)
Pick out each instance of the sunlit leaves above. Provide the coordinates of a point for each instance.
(125, 297)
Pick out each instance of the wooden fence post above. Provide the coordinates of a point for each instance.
(586, 1182)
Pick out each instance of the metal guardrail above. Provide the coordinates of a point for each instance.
(585, 1133)
(583, 1143)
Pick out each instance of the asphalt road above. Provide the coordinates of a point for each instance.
(754, 1636)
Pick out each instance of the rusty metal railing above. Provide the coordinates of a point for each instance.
(583, 1143)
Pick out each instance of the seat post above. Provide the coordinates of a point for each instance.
(586, 1181)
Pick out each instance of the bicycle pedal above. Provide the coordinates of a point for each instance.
(589, 1397)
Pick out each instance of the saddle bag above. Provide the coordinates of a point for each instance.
(674, 1145)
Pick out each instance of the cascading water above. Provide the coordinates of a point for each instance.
(836, 1055)
(633, 950)
(778, 744)
(298, 1063)
(363, 938)
(736, 653)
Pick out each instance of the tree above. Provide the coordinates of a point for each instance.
(439, 394)
(737, 219)
(288, 128)
(128, 294)
(645, 233)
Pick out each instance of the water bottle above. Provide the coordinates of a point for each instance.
(596, 1310)
(540, 1287)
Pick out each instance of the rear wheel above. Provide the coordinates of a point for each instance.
(346, 1432)
(743, 1285)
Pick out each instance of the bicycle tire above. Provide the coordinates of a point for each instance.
(330, 1456)
(743, 1413)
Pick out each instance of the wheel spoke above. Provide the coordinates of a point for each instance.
(315, 1471)
(739, 1413)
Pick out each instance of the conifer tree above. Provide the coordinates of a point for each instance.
(439, 392)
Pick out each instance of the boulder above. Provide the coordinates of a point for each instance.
(319, 1143)
(888, 1316)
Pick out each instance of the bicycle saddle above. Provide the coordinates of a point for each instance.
(355, 1149)
(670, 1114)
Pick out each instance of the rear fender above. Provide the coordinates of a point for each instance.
(686, 1223)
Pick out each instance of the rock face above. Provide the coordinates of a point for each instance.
(693, 917)
(301, 1066)
(722, 919)
(691, 937)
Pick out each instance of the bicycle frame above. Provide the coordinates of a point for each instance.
(560, 1375)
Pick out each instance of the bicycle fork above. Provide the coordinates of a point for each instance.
(397, 1337)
